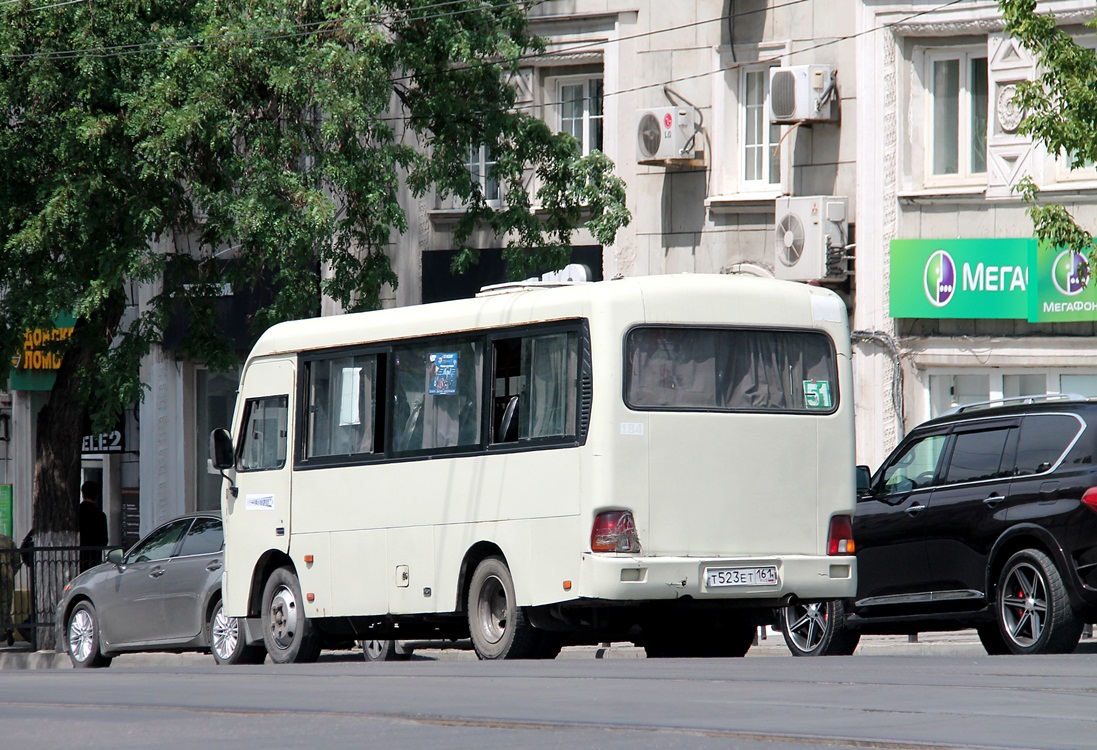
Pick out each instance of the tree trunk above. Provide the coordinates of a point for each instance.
(57, 467)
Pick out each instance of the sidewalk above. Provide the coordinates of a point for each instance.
(961, 643)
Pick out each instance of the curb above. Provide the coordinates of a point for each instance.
(930, 644)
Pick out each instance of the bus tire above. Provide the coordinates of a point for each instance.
(498, 627)
(288, 634)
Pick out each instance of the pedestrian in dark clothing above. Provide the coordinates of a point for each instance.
(93, 526)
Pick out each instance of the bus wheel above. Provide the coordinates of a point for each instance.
(289, 636)
(498, 627)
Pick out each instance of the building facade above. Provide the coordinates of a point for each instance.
(867, 146)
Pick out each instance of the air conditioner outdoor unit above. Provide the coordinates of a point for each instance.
(666, 134)
(811, 238)
(803, 93)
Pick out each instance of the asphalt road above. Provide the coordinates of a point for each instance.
(878, 701)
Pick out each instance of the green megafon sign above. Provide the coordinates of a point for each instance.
(1018, 279)
(1063, 291)
(961, 278)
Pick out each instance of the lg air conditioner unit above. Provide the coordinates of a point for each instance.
(803, 93)
(666, 135)
(811, 238)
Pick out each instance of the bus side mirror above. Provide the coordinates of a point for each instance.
(864, 480)
(220, 449)
(221, 455)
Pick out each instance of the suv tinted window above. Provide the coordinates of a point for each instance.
(915, 467)
(977, 455)
(1044, 439)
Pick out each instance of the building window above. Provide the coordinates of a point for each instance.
(957, 113)
(481, 166)
(947, 390)
(761, 166)
(581, 111)
(215, 398)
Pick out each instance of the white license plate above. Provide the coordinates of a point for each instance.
(764, 575)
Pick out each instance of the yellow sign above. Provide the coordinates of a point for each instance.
(35, 355)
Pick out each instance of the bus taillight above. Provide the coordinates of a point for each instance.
(840, 540)
(614, 531)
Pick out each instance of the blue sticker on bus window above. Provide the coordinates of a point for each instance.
(443, 374)
(817, 394)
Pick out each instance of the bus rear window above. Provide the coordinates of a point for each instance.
(706, 369)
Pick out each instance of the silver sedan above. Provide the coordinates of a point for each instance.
(164, 594)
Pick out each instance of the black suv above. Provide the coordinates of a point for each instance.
(984, 518)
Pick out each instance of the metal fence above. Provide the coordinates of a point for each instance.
(31, 574)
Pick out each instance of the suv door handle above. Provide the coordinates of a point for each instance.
(993, 500)
(215, 565)
(156, 572)
(915, 510)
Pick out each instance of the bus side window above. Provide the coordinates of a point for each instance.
(534, 387)
(436, 395)
(342, 398)
(550, 366)
(507, 377)
(265, 434)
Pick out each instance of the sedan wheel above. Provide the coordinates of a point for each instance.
(227, 641)
(83, 638)
(1034, 613)
(375, 650)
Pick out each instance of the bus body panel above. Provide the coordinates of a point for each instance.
(259, 513)
(707, 488)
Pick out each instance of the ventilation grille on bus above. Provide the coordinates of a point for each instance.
(586, 390)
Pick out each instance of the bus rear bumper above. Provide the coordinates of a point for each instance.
(638, 578)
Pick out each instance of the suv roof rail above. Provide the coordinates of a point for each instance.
(1033, 399)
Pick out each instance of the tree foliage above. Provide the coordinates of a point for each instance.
(144, 141)
(1060, 108)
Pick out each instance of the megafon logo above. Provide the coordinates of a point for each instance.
(1069, 272)
(940, 278)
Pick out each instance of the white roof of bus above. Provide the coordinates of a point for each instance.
(700, 298)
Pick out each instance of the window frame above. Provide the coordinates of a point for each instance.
(304, 401)
(626, 369)
(963, 56)
(771, 130)
(936, 380)
(480, 167)
(183, 552)
(588, 120)
(180, 523)
(1009, 433)
(485, 339)
(246, 438)
(880, 481)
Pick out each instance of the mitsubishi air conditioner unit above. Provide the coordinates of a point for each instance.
(811, 238)
(667, 135)
(803, 93)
